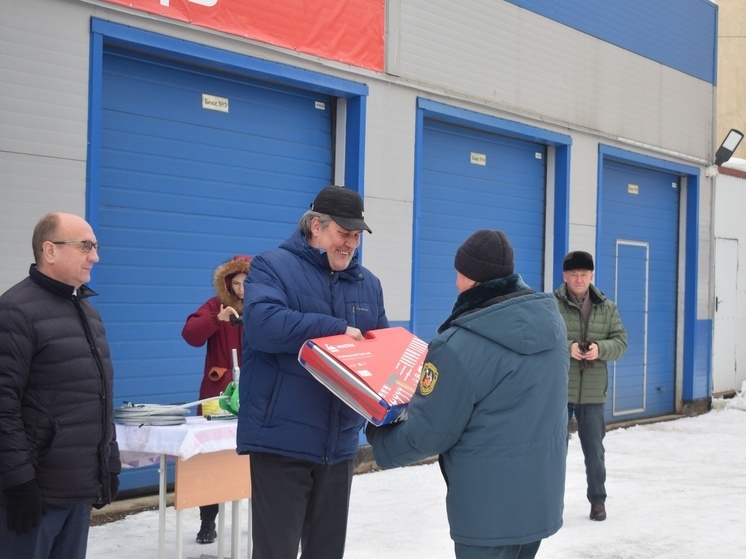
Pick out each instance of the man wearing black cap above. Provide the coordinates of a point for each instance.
(491, 403)
(595, 335)
(301, 438)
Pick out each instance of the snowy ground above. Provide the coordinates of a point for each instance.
(677, 490)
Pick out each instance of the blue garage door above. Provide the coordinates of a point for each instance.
(471, 179)
(637, 268)
(184, 187)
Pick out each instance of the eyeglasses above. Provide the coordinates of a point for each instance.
(83, 246)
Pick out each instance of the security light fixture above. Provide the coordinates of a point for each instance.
(724, 152)
(729, 145)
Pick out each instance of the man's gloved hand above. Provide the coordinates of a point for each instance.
(24, 507)
(114, 486)
(370, 432)
(113, 491)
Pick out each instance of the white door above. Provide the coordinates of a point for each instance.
(725, 325)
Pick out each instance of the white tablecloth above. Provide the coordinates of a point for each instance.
(143, 446)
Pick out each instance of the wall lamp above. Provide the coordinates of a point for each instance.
(725, 151)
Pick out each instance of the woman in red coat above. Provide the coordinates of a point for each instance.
(212, 324)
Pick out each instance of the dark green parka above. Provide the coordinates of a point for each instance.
(589, 385)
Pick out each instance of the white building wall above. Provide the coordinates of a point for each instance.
(389, 196)
(583, 192)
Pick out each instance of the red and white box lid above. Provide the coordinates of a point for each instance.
(376, 376)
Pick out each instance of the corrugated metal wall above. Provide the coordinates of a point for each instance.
(504, 58)
(517, 60)
(43, 119)
(473, 179)
(184, 188)
(494, 58)
(632, 25)
(636, 266)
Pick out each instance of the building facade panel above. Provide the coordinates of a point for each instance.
(44, 63)
(628, 24)
(519, 61)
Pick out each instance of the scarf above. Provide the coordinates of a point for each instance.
(486, 294)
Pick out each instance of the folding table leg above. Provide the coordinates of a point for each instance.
(179, 538)
(221, 530)
(236, 529)
(249, 542)
(162, 508)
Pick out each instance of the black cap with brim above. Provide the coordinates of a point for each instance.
(351, 224)
(343, 205)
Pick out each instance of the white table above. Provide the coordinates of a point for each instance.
(211, 447)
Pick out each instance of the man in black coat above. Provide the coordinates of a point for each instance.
(58, 450)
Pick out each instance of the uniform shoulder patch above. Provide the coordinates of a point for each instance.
(428, 378)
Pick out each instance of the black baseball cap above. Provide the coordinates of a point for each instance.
(343, 205)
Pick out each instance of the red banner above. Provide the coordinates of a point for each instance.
(349, 31)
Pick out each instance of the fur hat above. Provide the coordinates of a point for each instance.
(577, 260)
(484, 256)
(223, 277)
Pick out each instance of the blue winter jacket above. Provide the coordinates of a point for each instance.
(491, 401)
(292, 295)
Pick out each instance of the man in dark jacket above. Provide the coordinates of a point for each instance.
(301, 438)
(58, 450)
(595, 335)
(491, 403)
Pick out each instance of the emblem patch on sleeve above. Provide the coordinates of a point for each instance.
(428, 378)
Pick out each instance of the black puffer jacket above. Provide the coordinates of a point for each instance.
(55, 393)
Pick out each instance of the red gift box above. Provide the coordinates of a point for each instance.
(376, 377)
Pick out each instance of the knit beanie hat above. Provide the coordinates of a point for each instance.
(484, 256)
(577, 260)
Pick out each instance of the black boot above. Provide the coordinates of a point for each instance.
(207, 532)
